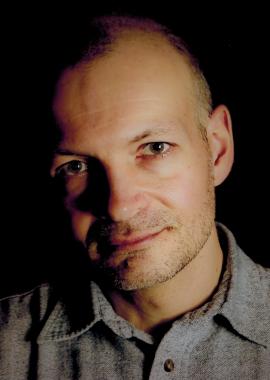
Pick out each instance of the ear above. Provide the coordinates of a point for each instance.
(220, 138)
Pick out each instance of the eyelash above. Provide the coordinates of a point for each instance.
(158, 154)
(62, 170)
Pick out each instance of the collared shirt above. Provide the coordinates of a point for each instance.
(45, 336)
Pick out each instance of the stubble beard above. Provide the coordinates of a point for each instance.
(187, 238)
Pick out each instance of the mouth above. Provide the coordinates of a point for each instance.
(135, 242)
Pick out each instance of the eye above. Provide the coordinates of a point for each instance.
(71, 168)
(155, 148)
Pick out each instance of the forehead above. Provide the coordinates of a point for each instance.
(142, 78)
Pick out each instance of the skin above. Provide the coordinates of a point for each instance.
(156, 204)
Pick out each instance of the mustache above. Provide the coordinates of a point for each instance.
(103, 230)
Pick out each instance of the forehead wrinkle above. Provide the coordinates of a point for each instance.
(95, 94)
(153, 129)
(69, 118)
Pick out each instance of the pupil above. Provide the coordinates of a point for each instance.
(75, 166)
(157, 147)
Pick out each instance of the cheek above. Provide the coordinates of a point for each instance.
(186, 189)
(75, 187)
(80, 223)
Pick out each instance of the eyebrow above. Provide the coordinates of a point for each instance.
(154, 131)
(151, 132)
(66, 152)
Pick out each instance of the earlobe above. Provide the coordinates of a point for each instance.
(220, 138)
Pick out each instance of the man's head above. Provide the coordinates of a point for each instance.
(140, 153)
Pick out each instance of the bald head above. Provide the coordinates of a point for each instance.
(106, 34)
(139, 68)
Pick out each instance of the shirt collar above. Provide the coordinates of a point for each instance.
(245, 309)
(72, 315)
(64, 322)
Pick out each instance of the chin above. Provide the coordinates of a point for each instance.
(141, 271)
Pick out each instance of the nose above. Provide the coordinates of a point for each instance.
(113, 191)
(126, 195)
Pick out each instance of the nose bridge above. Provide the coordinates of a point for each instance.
(126, 195)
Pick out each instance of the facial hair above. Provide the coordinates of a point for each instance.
(142, 268)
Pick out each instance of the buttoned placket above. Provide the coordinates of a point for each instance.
(172, 357)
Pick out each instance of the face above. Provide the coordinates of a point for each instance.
(136, 173)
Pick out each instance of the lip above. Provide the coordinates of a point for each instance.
(134, 241)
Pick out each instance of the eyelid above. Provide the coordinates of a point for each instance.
(147, 145)
(61, 168)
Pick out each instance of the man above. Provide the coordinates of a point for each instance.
(139, 155)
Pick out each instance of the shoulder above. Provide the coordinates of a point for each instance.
(264, 273)
(261, 282)
(248, 276)
(258, 276)
(250, 300)
(22, 299)
(247, 302)
(18, 312)
(257, 302)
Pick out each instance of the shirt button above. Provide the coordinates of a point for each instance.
(169, 365)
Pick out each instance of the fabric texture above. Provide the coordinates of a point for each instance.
(47, 336)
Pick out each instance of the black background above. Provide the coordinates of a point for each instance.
(232, 45)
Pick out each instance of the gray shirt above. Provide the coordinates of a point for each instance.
(44, 335)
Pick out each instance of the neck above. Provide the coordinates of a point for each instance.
(154, 309)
